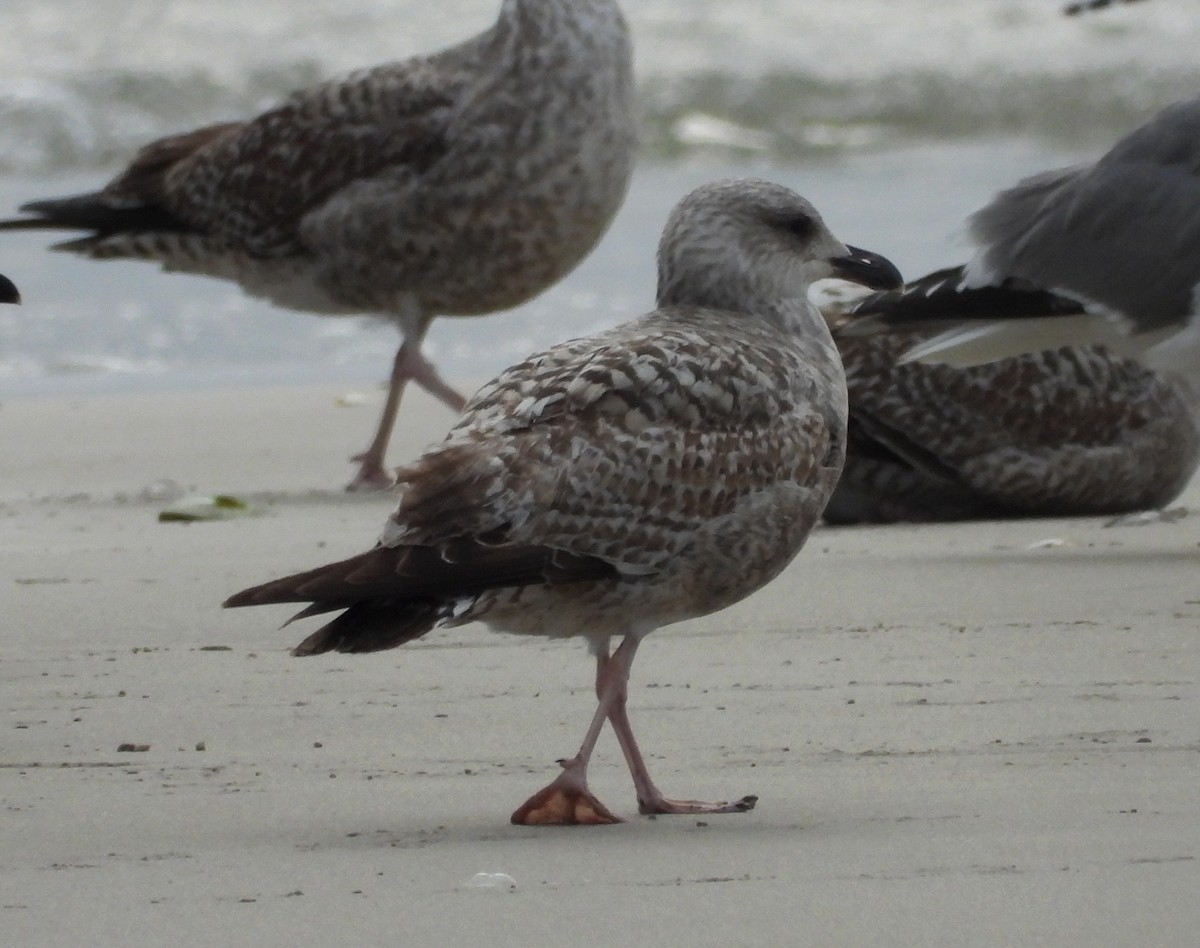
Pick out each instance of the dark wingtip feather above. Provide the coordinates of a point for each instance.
(8, 290)
(326, 582)
(372, 626)
(93, 212)
(392, 595)
(940, 299)
(365, 625)
(1086, 6)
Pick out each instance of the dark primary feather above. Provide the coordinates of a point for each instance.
(395, 594)
(370, 625)
(940, 297)
(870, 436)
(133, 200)
(8, 290)
(1085, 6)
(92, 212)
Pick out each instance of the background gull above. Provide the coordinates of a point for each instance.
(1087, 6)
(610, 485)
(1103, 253)
(460, 183)
(1063, 432)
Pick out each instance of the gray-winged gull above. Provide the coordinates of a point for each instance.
(1063, 432)
(610, 485)
(1103, 253)
(8, 290)
(458, 184)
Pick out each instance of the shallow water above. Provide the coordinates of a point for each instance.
(119, 326)
(82, 82)
(896, 117)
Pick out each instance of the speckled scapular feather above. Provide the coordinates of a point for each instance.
(460, 183)
(613, 484)
(1068, 431)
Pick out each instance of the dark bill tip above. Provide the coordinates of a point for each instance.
(8, 290)
(867, 269)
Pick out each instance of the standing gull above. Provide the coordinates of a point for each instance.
(610, 485)
(455, 184)
(1064, 432)
(1104, 253)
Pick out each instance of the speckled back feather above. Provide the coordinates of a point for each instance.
(1059, 432)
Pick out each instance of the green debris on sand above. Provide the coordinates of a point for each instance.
(200, 508)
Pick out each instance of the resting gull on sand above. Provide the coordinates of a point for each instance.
(8, 290)
(1064, 432)
(456, 184)
(610, 485)
(1105, 253)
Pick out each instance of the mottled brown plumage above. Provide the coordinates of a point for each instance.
(1062, 432)
(610, 485)
(457, 184)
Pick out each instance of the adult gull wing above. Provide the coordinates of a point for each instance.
(1112, 250)
(8, 290)
(610, 485)
(458, 184)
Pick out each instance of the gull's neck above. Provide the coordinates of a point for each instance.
(546, 23)
(784, 304)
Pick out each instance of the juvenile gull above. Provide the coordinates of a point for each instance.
(8, 290)
(1103, 253)
(610, 485)
(455, 184)
(1063, 432)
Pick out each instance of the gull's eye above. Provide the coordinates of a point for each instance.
(802, 227)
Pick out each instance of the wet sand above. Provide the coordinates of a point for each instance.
(976, 734)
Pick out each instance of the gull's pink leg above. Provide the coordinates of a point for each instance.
(566, 800)
(422, 372)
(409, 365)
(650, 799)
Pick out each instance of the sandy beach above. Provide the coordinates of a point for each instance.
(978, 734)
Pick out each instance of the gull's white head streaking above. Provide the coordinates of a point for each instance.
(746, 242)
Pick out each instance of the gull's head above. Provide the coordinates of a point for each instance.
(745, 242)
(8, 290)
